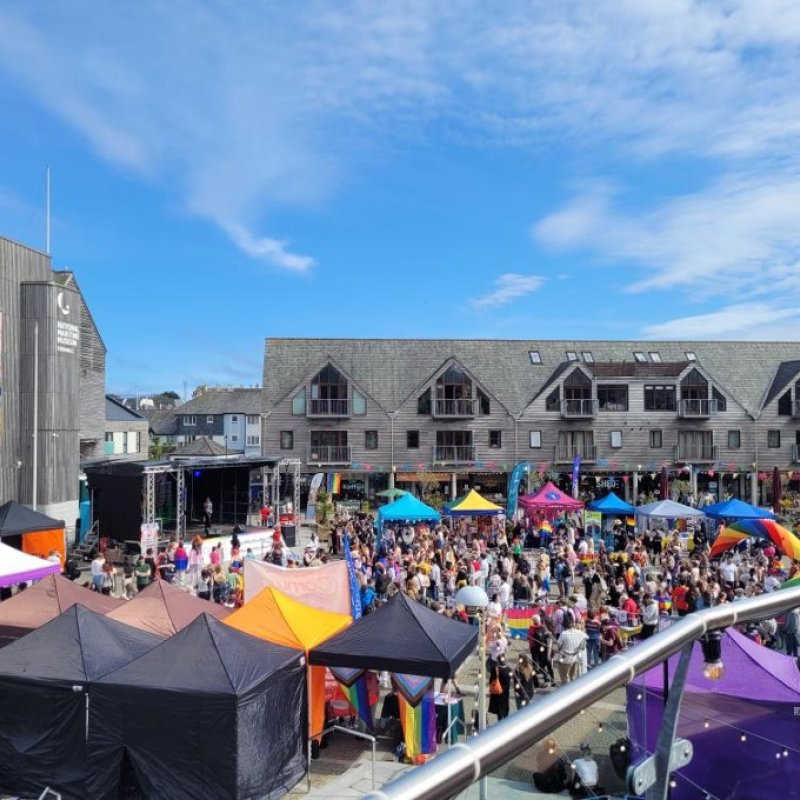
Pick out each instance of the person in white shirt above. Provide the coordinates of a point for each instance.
(98, 562)
(727, 570)
(585, 774)
(504, 594)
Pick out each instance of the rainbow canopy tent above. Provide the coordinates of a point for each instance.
(44, 677)
(401, 636)
(44, 601)
(756, 697)
(211, 712)
(549, 498)
(736, 509)
(326, 588)
(31, 531)
(280, 619)
(668, 509)
(768, 529)
(18, 567)
(611, 504)
(164, 609)
(407, 509)
(472, 504)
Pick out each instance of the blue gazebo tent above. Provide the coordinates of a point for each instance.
(736, 509)
(407, 509)
(611, 504)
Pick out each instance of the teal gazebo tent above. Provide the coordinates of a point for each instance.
(407, 509)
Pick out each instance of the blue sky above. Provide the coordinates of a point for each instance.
(224, 172)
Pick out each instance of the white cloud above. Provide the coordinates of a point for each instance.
(242, 109)
(739, 321)
(508, 287)
(737, 236)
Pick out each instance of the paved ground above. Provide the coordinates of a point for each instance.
(344, 768)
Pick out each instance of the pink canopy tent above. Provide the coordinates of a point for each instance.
(549, 498)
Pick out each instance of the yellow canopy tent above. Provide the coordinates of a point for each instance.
(472, 504)
(277, 618)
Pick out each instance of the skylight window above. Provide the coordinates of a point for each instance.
(535, 356)
(572, 355)
(639, 355)
(588, 357)
(655, 357)
(690, 356)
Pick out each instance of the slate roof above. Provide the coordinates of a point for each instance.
(203, 446)
(224, 401)
(391, 369)
(116, 412)
(162, 423)
(637, 369)
(785, 374)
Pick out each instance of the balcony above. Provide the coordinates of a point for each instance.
(796, 454)
(690, 453)
(328, 408)
(578, 409)
(454, 409)
(697, 409)
(454, 454)
(328, 455)
(566, 453)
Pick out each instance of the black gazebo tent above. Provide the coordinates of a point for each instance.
(211, 712)
(43, 697)
(16, 519)
(401, 636)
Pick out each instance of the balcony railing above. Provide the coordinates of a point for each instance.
(695, 409)
(327, 454)
(328, 408)
(578, 408)
(567, 454)
(696, 452)
(454, 454)
(462, 407)
(796, 454)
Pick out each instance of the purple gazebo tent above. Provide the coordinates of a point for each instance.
(757, 698)
(16, 566)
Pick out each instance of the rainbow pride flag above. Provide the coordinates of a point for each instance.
(518, 620)
(334, 483)
(419, 725)
(353, 683)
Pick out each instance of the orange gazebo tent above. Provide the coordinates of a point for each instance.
(277, 618)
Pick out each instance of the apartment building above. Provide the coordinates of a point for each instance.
(719, 415)
(230, 417)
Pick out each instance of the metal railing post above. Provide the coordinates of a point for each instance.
(467, 762)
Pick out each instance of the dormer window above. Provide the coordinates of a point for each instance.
(329, 394)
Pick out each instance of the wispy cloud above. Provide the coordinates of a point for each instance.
(738, 235)
(508, 287)
(248, 108)
(739, 321)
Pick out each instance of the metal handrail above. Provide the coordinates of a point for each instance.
(464, 764)
(350, 732)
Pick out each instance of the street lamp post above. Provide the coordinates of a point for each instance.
(474, 599)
